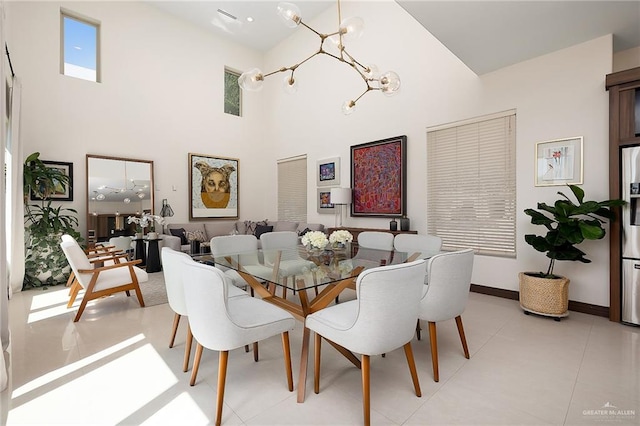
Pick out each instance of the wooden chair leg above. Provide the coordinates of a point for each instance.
(412, 368)
(255, 351)
(418, 329)
(315, 283)
(71, 279)
(286, 349)
(463, 339)
(284, 289)
(75, 289)
(83, 305)
(176, 321)
(433, 337)
(72, 285)
(222, 377)
(316, 362)
(196, 364)
(139, 295)
(187, 349)
(366, 386)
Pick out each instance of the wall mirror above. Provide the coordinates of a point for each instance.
(116, 189)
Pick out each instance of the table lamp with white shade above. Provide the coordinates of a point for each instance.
(340, 197)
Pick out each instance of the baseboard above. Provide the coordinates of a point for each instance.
(585, 308)
(498, 292)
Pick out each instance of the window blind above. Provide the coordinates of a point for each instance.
(471, 185)
(292, 189)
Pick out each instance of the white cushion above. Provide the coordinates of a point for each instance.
(114, 277)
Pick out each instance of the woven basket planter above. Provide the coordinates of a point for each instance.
(544, 296)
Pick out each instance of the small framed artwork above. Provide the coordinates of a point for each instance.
(559, 162)
(324, 201)
(213, 187)
(328, 172)
(379, 178)
(61, 192)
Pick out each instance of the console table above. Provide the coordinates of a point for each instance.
(356, 231)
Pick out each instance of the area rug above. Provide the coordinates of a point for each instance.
(154, 291)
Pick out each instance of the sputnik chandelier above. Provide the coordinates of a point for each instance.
(349, 29)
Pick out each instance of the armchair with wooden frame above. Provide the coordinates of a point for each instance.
(97, 255)
(98, 281)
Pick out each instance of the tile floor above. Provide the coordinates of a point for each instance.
(114, 367)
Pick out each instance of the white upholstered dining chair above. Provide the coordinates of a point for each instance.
(291, 264)
(223, 323)
(101, 281)
(172, 270)
(174, 279)
(374, 240)
(425, 245)
(243, 249)
(381, 319)
(446, 295)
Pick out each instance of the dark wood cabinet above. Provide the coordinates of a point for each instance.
(104, 226)
(624, 130)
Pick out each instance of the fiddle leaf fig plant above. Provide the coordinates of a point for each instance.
(568, 224)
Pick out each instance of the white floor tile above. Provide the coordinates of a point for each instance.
(114, 366)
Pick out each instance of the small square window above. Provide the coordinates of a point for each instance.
(79, 48)
(231, 92)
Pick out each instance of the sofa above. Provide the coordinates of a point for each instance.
(178, 235)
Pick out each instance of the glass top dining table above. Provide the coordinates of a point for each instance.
(301, 269)
(325, 272)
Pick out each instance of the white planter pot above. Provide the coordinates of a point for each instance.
(152, 235)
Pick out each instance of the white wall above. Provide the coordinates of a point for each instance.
(161, 97)
(626, 59)
(556, 96)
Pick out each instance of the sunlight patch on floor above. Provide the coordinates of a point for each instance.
(147, 377)
(50, 313)
(50, 298)
(50, 304)
(173, 413)
(68, 369)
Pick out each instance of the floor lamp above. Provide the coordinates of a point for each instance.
(340, 197)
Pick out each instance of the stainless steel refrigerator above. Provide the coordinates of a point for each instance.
(630, 181)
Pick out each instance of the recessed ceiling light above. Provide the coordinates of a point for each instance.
(249, 19)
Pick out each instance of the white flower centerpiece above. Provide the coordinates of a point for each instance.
(314, 240)
(146, 220)
(340, 238)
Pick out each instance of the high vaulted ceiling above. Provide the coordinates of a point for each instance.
(485, 35)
